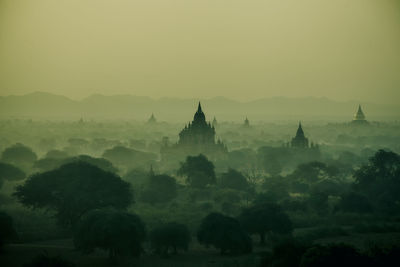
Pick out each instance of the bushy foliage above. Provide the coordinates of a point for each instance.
(379, 180)
(120, 233)
(354, 202)
(74, 189)
(265, 218)
(198, 170)
(159, 189)
(47, 164)
(121, 155)
(44, 260)
(10, 173)
(170, 235)
(332, 256)
(19, 154)
(233, 179)
(224, 233)
(7, 231)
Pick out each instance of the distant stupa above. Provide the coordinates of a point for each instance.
(214, 122)
(246, 123)
(299, 141)
(359, 117)
(152, 119)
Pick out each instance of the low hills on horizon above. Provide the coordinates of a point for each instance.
(41, 105)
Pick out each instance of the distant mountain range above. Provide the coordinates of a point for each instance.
(41, 105)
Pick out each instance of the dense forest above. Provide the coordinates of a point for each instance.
(103, 193)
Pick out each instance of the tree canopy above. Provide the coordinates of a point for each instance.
(7, 231)
(10, 173)
(224, 233)
(198, 170)
(118, 232)
(160, 188)
(265, 218)
(170, 235)
(74, 189)
(379, 180)
(233, 179)
(19, 154)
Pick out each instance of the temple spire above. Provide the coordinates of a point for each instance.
(199, 108)
(300, 131)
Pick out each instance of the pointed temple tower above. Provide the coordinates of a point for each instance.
(198, 136)
(359, 117)
(152, 119)
(299, 141)
(198, 132)
(246, 123)
(214, 122)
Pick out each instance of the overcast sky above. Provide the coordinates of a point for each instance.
(341, 49)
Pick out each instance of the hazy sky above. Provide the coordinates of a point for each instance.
(341, 49)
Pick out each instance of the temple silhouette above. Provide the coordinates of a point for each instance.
(197, 137)
(152, 119)
(359, 117)
(301, 141)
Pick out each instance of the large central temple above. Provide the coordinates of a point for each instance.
(198, 136)
(198, 132)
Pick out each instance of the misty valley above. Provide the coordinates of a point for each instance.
(201, 192)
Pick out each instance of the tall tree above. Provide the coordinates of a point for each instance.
(224, 233)
(265, 218)
(118, 232)
(198, 170)
(74, 189)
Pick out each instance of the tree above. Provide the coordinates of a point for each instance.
(74, 189)
(234, 180)
(10, 173)
(311, 172)
(224, 233)
(118, 232)
(354, 202)
(49, 163)
(128, 157)
(170, 235)
(7, 231)
(159, 189)
(265, 218)
(19, 154)
(379, 180)
(198, 170)
(44, 260)
(273, 159)
(332, 256)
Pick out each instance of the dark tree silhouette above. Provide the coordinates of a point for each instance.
(126, 156)
(74, 189)
(354, 202)
(160, 188)
(118, 232)
(224, 233)
(234, 180)
(332, 256)
(7, 231)
(10, 173)
(287, 253)
(170, 235)
(265, 218)
(44, 260)
(314, 171)
(19, 154)
(47, 164)
(198, 170)
(379, 180)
